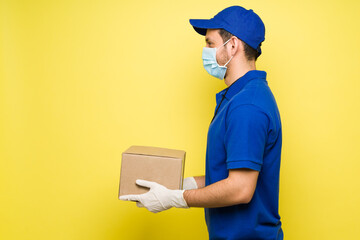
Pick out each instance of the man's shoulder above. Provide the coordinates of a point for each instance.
(254, 93)
(256, 96)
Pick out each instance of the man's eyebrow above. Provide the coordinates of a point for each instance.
(207, 40)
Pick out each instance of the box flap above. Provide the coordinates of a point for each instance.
(155, 151)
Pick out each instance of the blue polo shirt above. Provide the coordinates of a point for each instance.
(246, 133)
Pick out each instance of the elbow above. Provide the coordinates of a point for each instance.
(242, 185)
(247, 198)
(244, 197)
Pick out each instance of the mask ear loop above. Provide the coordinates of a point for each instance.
(231, 56)
(228, 61)
(226, 42)
(218, 49)
(223, 44)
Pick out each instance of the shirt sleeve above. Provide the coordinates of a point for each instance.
(245, 137)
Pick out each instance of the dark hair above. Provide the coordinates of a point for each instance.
(250, 53)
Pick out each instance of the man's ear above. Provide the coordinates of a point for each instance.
(236, 45)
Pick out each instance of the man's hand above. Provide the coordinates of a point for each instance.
(158, 199)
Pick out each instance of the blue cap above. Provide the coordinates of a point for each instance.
(240, 22)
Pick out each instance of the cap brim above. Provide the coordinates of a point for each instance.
(201, 25)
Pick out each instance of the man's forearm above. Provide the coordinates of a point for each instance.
(230, 191)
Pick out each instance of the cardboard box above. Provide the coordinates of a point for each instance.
(161, 165)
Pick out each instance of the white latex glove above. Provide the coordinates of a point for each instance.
(158, 199)
(190, 183)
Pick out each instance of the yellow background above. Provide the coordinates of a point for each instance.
(81, 81)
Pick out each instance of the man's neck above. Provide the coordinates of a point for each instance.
(235, 73)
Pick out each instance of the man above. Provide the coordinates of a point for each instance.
(240, 189)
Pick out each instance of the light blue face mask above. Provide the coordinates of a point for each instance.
(210, 63)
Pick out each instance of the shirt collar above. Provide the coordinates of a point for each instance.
(239, 84)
